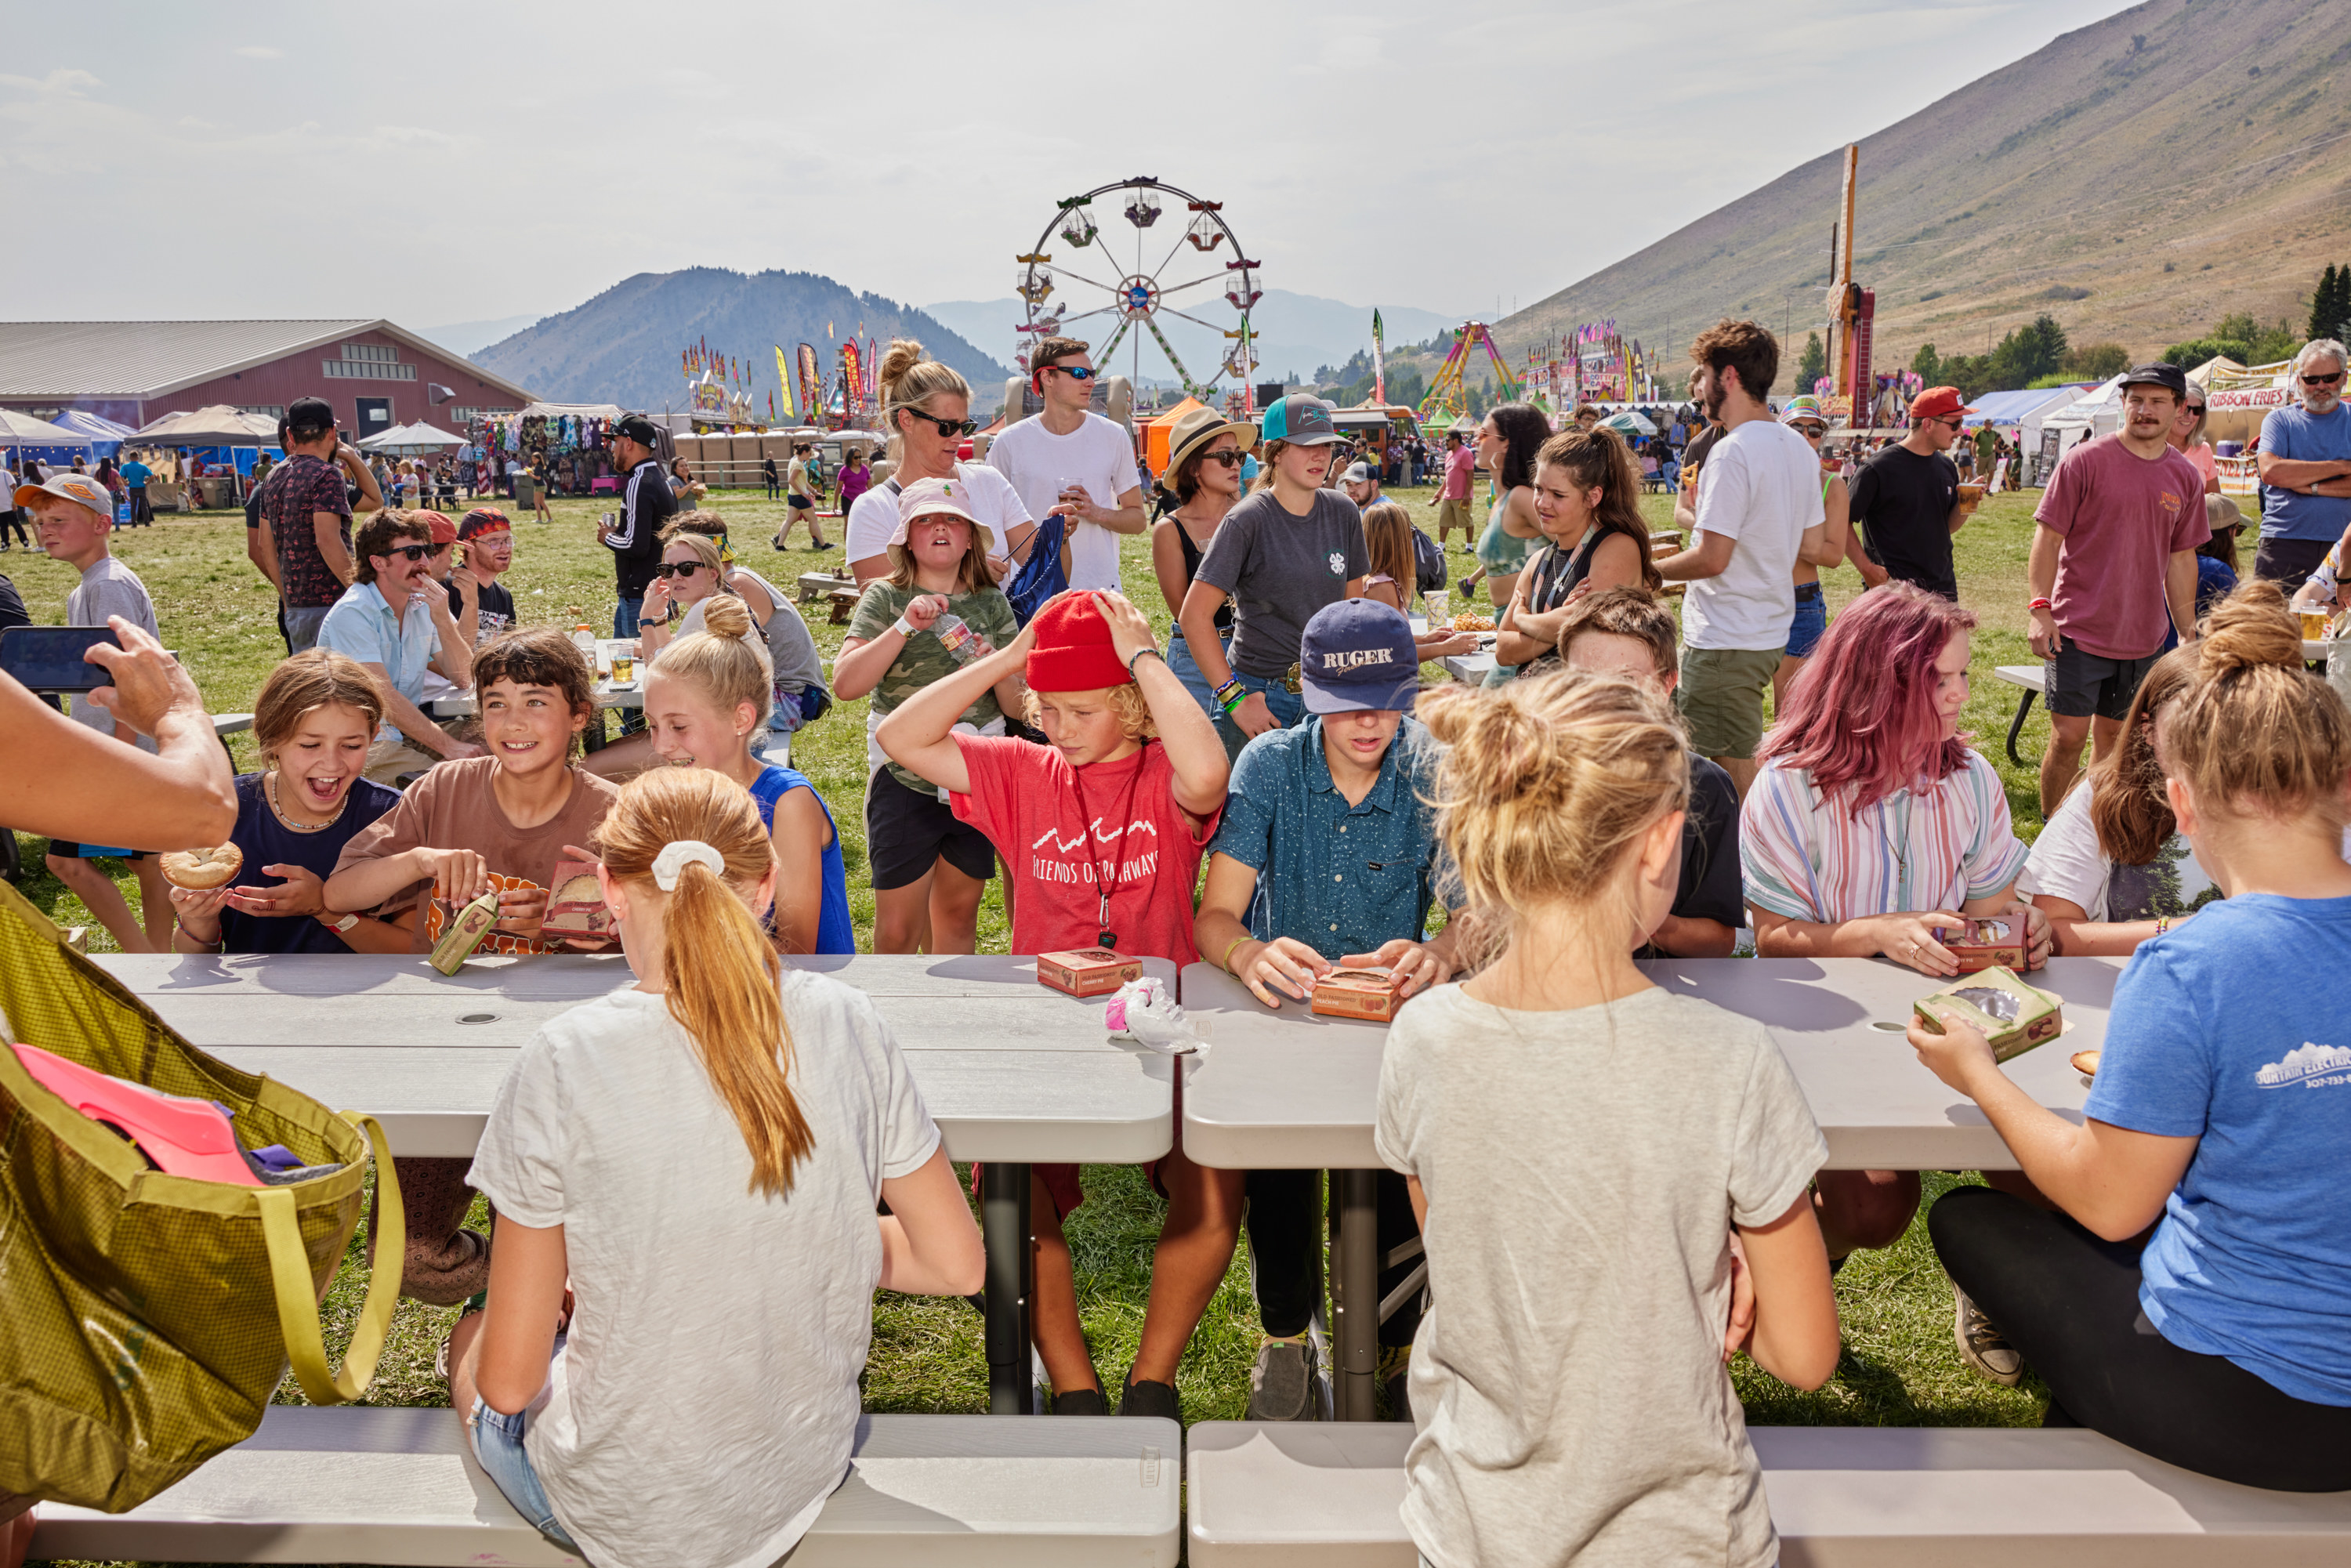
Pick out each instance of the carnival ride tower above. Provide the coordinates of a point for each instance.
(1446, 395)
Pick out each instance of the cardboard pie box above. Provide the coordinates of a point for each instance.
(1984, 944)
(467, 929)
(575, 905)
(2013, 1016)
(1356, 994)
(1090, 972)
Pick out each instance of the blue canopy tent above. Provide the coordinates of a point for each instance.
(22, 436)
(105, 434)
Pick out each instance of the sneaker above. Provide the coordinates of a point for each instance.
(1081, 1402)
(1285, 1385)
(1149, 1398)
(1981, 1344)
(1395, 1377)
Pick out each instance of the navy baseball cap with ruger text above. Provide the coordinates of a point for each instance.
(1358, 655)
(1299, 420)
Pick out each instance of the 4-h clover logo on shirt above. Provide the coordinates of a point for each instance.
(1338, 563)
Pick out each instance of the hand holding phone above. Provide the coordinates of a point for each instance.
(51, 658)
(148, 683)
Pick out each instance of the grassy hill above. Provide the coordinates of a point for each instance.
(623, 346)
(2137, 179)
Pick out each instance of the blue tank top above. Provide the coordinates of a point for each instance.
(834, 931)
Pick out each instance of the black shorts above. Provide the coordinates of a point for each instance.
(2078, 684)
(907, 832)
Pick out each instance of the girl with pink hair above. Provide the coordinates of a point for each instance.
(1873, 829)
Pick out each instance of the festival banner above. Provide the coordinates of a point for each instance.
(1379, 362)
(811, 383)
(784, 374)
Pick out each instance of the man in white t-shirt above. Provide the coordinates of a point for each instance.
(1074, 462)
(1759, 512)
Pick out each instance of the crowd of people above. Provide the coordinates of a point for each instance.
(2168, 1266)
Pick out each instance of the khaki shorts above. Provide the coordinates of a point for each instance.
(1721, 698)
(1451, 515)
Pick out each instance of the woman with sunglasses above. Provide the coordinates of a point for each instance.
(926, 408)
(2188, 438)
(1201, 484)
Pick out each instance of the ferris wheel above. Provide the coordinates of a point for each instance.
(1092, 282)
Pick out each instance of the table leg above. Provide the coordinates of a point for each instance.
(1356, 1289)
(1011, 1281)
(2016, 725)
(592, 737)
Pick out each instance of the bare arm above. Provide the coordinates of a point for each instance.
(1836, 525)
(919, 734)
(1694, 936)
(1707, 555)
(1958, 518)
(800, 836)
(1907, 938)
(1128, 516)
(2111, 1179)
(872, 567)
(1167, 563)
(182, 794)
(2180, 591)
(1194, 751)
(528, 1272)
(2301, 473)
(1813, 547)
(371, 493)
(261, 550)
(2073, 935)
(1795, 1332)
(413, 722)
(2041, 569)
(454, 657)
(929, 1244)
(327, 528)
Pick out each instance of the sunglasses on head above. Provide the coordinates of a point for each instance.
(679, 568)
(1075, 372)
(946, 426)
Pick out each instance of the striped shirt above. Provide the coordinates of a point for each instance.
(1806, 858)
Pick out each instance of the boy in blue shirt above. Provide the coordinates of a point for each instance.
(1327, 858)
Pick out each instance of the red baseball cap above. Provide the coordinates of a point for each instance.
(1072, 651)
(445, 532)
(1938, 402)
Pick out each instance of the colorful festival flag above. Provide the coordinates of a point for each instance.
(784, 374)
(1379, 362)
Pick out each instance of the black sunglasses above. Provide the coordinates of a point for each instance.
(1075, 372)
(2322, 380)
(414, 552)
(679, 568)
(946, 426)
(1233, 459)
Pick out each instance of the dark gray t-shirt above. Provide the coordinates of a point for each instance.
(1280, 570)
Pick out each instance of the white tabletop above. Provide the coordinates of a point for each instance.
(1286, 1090)
(1471, 668)
(608, 696)
(1010, 1069)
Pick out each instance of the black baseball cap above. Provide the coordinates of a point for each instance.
(314, 414)
(637, 428)
(2160, 375)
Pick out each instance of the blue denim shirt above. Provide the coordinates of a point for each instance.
(1339, 878)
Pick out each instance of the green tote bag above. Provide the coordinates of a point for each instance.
(146, 1318)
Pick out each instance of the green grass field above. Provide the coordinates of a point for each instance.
(1899, 1366)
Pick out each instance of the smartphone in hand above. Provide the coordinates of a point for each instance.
(49, 658)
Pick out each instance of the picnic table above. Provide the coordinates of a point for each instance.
(1285, 1090)
(609, 694)
(1013, 1072)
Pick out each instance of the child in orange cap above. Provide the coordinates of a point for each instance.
(1104, 829)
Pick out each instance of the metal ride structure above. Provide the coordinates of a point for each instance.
(1447, 400)
(1138, 295)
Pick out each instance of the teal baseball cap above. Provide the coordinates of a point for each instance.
(1301, 420)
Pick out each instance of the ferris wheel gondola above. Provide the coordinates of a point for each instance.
(1058, 295)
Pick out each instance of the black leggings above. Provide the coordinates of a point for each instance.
(1285, 1241)
(2069, 1302)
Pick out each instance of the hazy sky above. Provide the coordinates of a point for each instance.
(435, 162)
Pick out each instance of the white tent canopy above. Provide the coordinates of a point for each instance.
(1631, 422)
(23, 430)
(417, 437)
(218, 426)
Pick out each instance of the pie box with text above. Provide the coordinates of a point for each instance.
(1088, 972)
(1982, 944)
(1357, 994)
(2015, 1017)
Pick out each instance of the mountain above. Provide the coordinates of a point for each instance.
(464, 337)
(1295, 332)
(2137, 179)
(623, 345)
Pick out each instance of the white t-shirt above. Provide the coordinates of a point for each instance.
(2067, 863)
(706, 1401)
(1761, 486)
(873, 516)
(1099, 455)
(1568, 1382)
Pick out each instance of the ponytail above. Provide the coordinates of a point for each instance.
(721, 971)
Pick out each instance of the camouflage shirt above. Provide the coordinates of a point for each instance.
(924, 658)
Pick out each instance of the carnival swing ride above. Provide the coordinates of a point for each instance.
(1137, 296)
(1447, 400)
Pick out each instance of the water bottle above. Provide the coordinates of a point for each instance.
(958, 636)
(584, 639)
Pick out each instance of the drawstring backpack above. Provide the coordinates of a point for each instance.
(146, 1318)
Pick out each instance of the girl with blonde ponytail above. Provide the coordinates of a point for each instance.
(1581, 1147)
(697, 1160)
(2190, 1298)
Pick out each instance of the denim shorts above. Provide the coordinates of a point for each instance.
(1187, 669)
(497, 1442)
(1812, 619)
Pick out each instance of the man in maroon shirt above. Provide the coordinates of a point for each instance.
(2113, 570)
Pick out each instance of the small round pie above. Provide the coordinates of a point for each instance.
(2086, 1062)
(201, 871)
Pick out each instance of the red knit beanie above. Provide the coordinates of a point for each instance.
(1073, 651)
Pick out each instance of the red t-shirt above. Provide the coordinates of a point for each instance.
(2121, 516)
(1026, 797)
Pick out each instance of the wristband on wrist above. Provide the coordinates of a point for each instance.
(2038, 604)
(1139, 653)
(903, 627)
(1225, 963)
(1232, 705)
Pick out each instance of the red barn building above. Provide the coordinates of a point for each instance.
(377, 375)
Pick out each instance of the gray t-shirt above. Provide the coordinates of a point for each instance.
(1583, 1170)
(1280, 570)
(109, 588)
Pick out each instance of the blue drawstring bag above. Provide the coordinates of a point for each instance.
(1038, 578)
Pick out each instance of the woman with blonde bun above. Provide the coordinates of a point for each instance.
(2189, 1293)
(926, 412)
(1570, 1378)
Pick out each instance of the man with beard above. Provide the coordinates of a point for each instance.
(1906, 498)
(2305, 463)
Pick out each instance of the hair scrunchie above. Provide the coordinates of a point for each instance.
(676, 856)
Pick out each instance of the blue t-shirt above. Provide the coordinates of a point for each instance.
(2252, 1259)
(264, 841)
(136, 474)
(2296, 433)
(834, 931)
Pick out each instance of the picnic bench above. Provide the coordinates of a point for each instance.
(362, 1484)
(2032, 678)
(1305, 1495)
